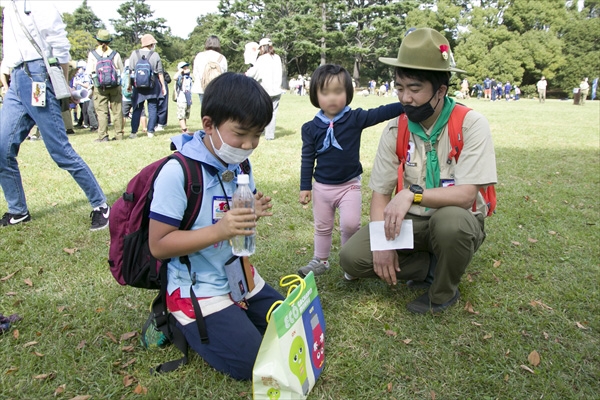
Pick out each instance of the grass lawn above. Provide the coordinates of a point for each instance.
(532, 287)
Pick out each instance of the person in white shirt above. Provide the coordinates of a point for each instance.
(268, 72)
(30, 100)
(212, 52)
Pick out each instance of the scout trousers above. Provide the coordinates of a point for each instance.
(451, 234)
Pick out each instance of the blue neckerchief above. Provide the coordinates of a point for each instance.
(329, 136)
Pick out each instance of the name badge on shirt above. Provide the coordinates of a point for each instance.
(219, 207)
(38, 94)
(447, 182)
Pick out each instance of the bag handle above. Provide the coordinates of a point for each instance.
(291, 282)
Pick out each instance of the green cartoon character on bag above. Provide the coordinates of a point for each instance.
(273, 394)
(298, 362)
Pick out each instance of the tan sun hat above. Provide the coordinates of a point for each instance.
(426, 49)
(148, 39)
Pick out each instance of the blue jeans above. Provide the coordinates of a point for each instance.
(152, 115)
(234, 335)
(17, 117)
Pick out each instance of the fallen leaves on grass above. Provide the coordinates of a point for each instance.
(38, 354)
(11, 293)
(497, 263)
(128, 349)
(534, 358)
(51, 375)
(82, 397)
(432, 394)
(390, 386)
(487, 336)
(538, 303)
(69, 251)
(580, 325)
(60, 389)
(129, 380)
(390, 332)
(469, 308)
(139, 389)
(16, 333)
(128, 335)
(526, 368)
(532, 240)
(128, 363)
(7, 277)
(11, 370)
(112, 337)
(476, 323)
(28, 282)
(81, 345)
(29, 344)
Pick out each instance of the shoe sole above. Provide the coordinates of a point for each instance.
(99, 229)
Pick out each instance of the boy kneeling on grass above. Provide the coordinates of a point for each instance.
(235, 111)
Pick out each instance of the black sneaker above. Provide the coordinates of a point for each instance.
(99, 218)
(14, 219)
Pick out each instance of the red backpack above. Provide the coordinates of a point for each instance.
(455, 123)
(129, 257)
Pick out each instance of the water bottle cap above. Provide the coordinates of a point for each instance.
(243, 179)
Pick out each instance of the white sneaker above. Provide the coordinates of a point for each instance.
(159, 128)
(150, 134)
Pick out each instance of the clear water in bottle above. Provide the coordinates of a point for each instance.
(243, 198)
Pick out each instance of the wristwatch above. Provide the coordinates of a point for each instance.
(418, 191)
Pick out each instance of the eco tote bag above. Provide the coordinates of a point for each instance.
(291, 355)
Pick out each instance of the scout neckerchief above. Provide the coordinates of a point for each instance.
(329, 136)
(432, 177)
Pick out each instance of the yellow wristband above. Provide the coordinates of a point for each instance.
(418, 198)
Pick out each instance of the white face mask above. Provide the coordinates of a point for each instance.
(229, 154)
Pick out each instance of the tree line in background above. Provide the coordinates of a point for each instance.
(509, 40)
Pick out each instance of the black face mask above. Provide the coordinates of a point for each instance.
(422, 112)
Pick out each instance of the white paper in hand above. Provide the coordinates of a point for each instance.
(405, 240)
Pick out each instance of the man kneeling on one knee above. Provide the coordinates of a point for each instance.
(438, 193)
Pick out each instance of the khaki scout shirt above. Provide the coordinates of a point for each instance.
(476, 164)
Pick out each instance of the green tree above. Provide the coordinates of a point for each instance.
(137, 20)
(84, 19)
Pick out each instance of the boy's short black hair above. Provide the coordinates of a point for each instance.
(323, 75)
(436, 78)
(236, 97)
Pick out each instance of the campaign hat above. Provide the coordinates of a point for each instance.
(424, 49)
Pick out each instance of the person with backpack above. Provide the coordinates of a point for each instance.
(235, 111)
(268, 71)
(147, 84)
(439, 159)
(183, 94)
(105, 65)
(208, 64)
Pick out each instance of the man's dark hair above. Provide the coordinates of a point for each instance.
(213, 43)
(323, 75)
(436, 78)
(236, 97)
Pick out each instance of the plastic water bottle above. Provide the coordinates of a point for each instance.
(243, 198)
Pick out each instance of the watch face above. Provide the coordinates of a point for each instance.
(416, 189)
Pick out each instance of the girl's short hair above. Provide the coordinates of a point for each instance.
(213, 43)
(239, 98)
(323, 75)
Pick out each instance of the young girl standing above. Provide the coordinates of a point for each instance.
(332, 142)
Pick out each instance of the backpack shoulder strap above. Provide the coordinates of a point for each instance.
(137, 54)
(455, 123)
(402, 148)
(95, 53)
(220, 58)
(112, 55)
(192, 172)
